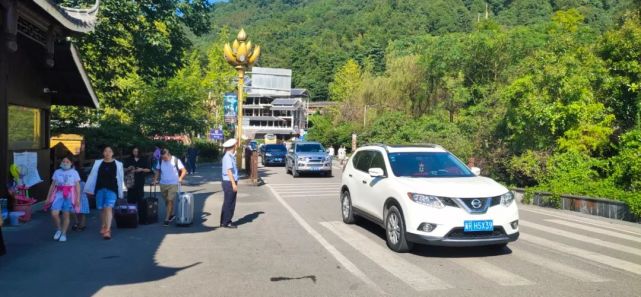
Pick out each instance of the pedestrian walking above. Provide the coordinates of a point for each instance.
(106, 183)
(170, 173)
(137, 167)
(80, 218)
(192, 158)
(64, 197)
(230, 184)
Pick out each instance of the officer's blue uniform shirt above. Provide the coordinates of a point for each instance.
(229, 162)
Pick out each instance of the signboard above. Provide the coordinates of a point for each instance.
(216, 134)
(27, 163)
(231, 107)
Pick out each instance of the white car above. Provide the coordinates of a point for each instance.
(424, 194)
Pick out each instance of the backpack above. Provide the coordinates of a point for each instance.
(175, 165)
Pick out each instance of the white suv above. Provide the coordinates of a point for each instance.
(424, 194)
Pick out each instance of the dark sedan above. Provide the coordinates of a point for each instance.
(273, 154)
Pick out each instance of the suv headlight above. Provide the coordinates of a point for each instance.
(428, 200)
(268, 154)
(507, 199)
(301, 159)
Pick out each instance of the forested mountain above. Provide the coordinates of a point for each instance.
(539, 94)
(315, 37)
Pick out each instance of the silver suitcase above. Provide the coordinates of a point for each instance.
(184, 208)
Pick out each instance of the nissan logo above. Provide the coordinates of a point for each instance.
(476, 203)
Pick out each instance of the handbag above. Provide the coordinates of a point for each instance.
(130, 180)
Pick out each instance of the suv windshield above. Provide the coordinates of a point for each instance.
(428, 164)
(275, 148)
(310, 148)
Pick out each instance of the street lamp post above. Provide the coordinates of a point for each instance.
(242, 54)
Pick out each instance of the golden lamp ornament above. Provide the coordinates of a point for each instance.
(242, 52)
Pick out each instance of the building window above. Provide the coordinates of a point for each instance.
(25, 128)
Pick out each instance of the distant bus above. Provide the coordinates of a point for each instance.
(270, 139)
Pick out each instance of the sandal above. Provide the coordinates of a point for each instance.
(75, 227)
(103, 230)
(107, 235)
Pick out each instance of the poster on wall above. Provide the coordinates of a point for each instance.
(230, 104)
(27, 163)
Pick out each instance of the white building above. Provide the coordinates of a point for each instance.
(272, 106)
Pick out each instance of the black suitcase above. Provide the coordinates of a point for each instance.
(126, 215)
(148, 209)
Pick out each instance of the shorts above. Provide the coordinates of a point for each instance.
(105, 199)
(61, 204)
(169, 192)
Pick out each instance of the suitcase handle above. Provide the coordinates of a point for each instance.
(152, 189)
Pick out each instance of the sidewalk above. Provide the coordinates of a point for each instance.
(36, 265)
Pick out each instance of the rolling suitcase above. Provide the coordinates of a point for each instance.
(184, 208)
(126, 215)
(148, 208)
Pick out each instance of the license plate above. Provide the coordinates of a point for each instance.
(475, 226)
(314, 168)
(277, 159)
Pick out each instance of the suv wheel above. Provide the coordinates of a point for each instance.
(346, 208)
(287, 167)
(395, 231)
(295, 172)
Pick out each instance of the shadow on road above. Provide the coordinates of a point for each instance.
(248, 218)
(37, 266)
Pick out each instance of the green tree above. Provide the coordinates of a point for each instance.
(346, 82)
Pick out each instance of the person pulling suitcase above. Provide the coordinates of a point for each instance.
(170, 173)
(230, 184)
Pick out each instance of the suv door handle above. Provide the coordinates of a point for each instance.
(364, 182)
(350, 175)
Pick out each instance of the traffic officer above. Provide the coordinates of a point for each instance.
(230, 184)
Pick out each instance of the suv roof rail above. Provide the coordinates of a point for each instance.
(426, 145)
(376, 144)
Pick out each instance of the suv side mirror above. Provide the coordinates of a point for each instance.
(476, 171)
(290, 151)
(376, 172)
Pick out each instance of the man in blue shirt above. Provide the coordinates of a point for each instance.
(230, 184)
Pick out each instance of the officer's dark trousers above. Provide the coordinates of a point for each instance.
(229, 205)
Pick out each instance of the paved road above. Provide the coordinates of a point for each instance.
(559, 253)
(291, 242)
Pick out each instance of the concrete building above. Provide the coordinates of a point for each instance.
(272, 106)
(39, 67)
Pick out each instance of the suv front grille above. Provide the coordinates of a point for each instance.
(476, 205)
(457, 233)
(467, 201)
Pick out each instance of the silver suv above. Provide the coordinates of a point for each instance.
(308, 157)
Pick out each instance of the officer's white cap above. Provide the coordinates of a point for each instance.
(229, 143)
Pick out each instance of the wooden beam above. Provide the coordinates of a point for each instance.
(4, 121)
(10, 33)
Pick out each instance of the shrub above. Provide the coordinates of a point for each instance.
(207, 151)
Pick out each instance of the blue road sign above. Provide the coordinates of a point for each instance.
(216, 134)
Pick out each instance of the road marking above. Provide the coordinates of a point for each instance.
(585, 254)
(303, 196)
(599, 223)
(298, 185)
(492, 272)
(351, 267)
(407, 272)
(557, 267)
(596, 230)
(309, 192)
(583, 238)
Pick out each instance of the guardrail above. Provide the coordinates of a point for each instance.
(607, 208)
